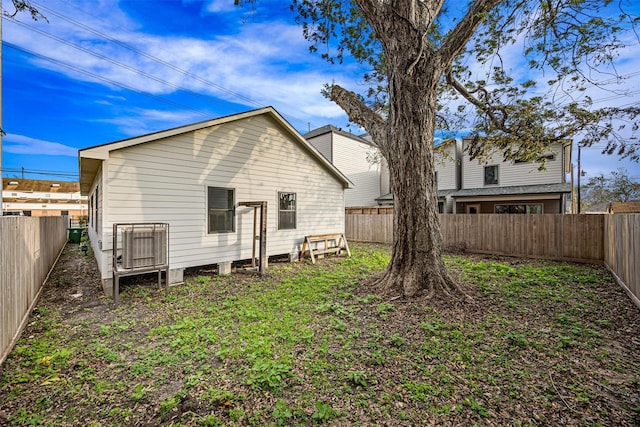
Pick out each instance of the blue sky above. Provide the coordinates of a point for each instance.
(101, 71)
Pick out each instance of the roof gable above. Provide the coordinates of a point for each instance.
(91, 158)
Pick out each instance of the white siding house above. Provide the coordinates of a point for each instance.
(498, 186)
(349, 153)
(447, 158)
(181, 176)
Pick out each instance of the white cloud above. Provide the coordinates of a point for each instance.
(261, 64)
(19, 144)
(217, 6)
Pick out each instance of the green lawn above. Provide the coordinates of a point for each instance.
(544, 343)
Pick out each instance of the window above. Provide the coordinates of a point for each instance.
(26, 213)
(286, 211)
(519, 209)
(220, 210)
(491, 175)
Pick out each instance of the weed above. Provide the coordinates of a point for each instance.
(282, 413)
(168, 405)
(210, 421)
(517, 340)
(268, 374)
(323, 413)
(138, 393)
(397, 340)
(358, 378)
(384, 308)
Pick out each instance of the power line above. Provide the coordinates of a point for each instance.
(147, 55)
(115, 62)
(107, 37)
(40, 172)
(102, 78)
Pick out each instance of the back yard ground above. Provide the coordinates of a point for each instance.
(543, 343)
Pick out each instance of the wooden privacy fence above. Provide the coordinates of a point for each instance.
(622, 251)
(554, 236)
(610, 239)
(28, 250)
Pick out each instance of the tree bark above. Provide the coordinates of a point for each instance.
(416, 260)
(405, 139)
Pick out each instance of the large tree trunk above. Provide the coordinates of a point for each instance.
(416, 264)
(405, 137)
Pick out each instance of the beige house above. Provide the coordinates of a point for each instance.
(33, 197)
(498, 186)
(196, 177)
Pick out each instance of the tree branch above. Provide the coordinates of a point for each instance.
(489, 110)
(458, 37)
(359, 113)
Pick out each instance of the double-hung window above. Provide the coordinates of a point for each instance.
(286, 211)
(220, 210)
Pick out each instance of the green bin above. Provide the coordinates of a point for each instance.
(74, 234)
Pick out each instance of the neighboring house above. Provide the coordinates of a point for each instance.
(33, 197)
(632, 206)
(499, 186)
(194, 177)
(351, 154)
(447, 159)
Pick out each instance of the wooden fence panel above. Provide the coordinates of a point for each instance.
(554, 236)
(622, 253)
(28, 250)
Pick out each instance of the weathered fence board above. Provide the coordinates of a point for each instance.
(622, 251)
(29, 247)
(554, 236)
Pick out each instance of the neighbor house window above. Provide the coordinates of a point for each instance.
(535, 208)
(220, 210)
(491, 175)
(286, 211)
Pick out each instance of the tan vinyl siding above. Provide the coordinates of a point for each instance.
(513, 174)
(166, 181)
(350, 157)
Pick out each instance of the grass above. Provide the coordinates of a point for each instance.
(545, 343)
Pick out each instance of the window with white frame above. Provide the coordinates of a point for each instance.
(220, 210)
(286, 211)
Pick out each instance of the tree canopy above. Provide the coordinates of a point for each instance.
(519, 70)
(515, 73)
(618, 186)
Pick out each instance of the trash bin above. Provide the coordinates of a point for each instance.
(74, 234)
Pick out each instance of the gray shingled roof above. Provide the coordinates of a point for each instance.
(441, 193)
(330, 128)
(514, 190)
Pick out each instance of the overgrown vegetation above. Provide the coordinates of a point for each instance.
(544, 343)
